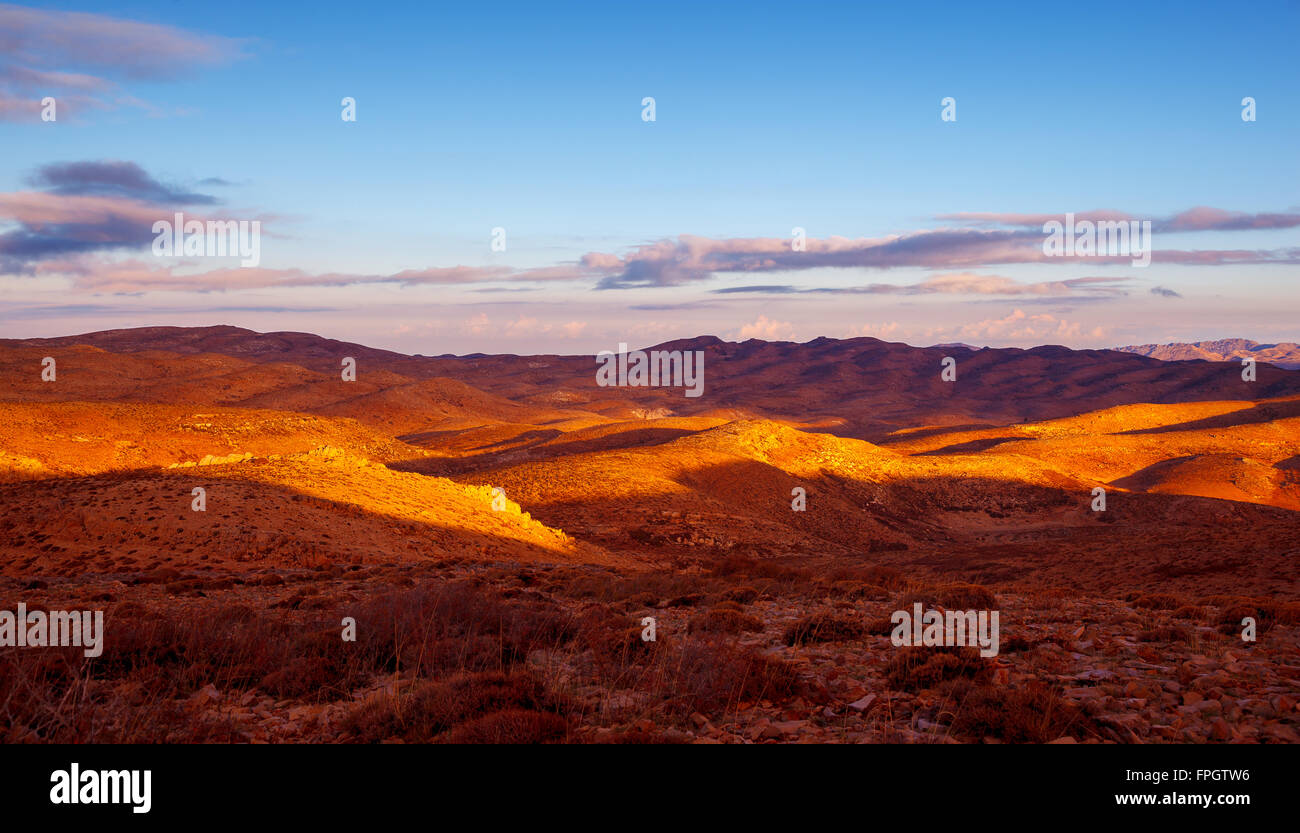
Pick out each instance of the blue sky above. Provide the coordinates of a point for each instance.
(769, 116)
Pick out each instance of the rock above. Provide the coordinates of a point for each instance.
(204, 696)
(863, 704)
(1220, 730)
(1097, 674)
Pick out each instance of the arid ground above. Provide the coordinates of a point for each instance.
(499, 530)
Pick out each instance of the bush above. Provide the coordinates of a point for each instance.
(917, 668)
(514, 726)
(1158, 601)
(950, 597)
(824, 627)
(429, 709)
(724, 620)
(1033, 714)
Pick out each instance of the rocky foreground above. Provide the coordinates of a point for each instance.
(748, 652)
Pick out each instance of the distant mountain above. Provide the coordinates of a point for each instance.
(1283, 354)
(860, 387)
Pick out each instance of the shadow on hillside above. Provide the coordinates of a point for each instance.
(1144, 478)
(970, 447)
(543, 447)
(976, 529)
(920, 434)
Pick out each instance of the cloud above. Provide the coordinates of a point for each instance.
(1200, 218)
(1021, 326)
(478, 325)
(86, 207)
(89, 207)
(524, 326)
(26, 78)
(147, 51)
(1164, 293)
(987, 239)
(954, 283)
(994, 218)
(112, 179)
(880, 331)
(1227, 257)
(767, 329)
(43, 51)
(1203, 218)
(49, 225)
(763, 289)
(691, 259)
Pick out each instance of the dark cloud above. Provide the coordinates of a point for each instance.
(113, 179)
(1164, 293)
(769, 289)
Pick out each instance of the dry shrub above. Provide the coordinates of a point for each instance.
(1158, 601)
(881, 626)
(1265, 613)
(967, 597)
(872, 575)
(154, 658)
(1165, 633)
(625, 645)
(743, 595)
(824, 627)
(724, 620)
(636, 736)
(1035, 713)
(711, 677)
(440, 627)
(428, 709)
(740, 565)
(917, 668)
(512, 726)
(950, 596)
(855, 589)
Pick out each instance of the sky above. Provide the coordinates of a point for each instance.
(524, 125)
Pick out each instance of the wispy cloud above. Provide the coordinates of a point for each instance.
(54, 53)
(1200, 218)
(690, 259)
(954, 283)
